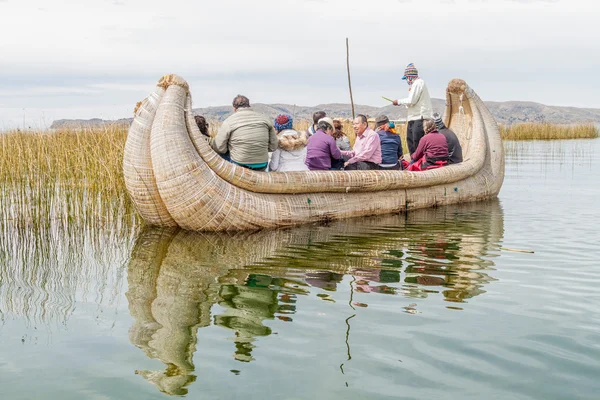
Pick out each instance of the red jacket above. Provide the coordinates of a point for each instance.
(433, 145)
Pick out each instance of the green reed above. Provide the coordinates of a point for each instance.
(62, 200)
(72, 175)
(75, 175)
(548, 131)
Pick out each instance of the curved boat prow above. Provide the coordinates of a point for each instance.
(191, 186)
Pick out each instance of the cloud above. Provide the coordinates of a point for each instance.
(290, 50)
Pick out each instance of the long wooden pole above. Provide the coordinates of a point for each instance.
(349, 82)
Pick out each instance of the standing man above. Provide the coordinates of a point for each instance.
(419, 106)
(367, 148)
(246, 137)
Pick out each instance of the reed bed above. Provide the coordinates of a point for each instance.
(547, 131)
(64, 215)
(53, 179)
(76, 174)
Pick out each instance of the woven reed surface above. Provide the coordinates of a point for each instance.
(137, 163)
(333, 181)
(203, 192)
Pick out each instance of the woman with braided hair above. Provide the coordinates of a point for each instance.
(291, 153)
(432, 151)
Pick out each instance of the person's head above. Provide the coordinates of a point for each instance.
(382, 123)
(337, 124)
(339, 129)
(292, 140)
(428, 126)
(439, 123)
(202, 124)
(240, 102)
(360, 124)
(326, 125)
(282, 122)
(410, 73)
(317, 115)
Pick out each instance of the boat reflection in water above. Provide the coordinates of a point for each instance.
(175, 277)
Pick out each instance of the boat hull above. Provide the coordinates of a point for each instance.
(193, 187)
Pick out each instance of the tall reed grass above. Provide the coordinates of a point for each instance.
(70, 176)
(62, 201)
(75, 175)
(547, 131)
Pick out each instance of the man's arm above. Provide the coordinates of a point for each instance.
(369, 148)
(220, 143)
(273, 140)
(274, 164)
(335, 152)
(413, 96)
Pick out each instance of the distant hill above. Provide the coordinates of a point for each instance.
(507, 112)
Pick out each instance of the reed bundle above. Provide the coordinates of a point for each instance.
(548, 131)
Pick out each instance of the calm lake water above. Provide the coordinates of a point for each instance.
(424, 306)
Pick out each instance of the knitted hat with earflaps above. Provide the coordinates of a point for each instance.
(410, 70)
(439, 123)
(410, 73)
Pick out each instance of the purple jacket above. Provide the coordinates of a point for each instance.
(433, 145)
(320, 150)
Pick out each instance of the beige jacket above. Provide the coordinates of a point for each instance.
(247, 135)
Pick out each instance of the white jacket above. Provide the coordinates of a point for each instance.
(291, 154)
(418, 101)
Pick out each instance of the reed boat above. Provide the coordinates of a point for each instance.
(175, 178)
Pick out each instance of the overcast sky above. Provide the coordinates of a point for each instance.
(97, 58)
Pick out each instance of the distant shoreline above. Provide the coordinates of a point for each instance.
(506, 113)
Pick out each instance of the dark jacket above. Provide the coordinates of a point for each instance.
(391, 147)
(454, 150)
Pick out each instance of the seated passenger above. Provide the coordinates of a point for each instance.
(246, 137)
(317, 115)
(432, 151)
(321, 148)
(454, 150)
(367, 148)
(391, 145)
(341, 140)
(291, 153)
(202, 124)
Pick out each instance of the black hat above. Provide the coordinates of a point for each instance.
(381, 120)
